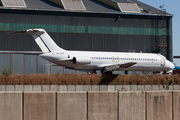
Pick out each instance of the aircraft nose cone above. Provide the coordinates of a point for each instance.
(171, 65)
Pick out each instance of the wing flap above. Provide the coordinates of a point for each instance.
(110, 68)
(126, 65)
(117, 66)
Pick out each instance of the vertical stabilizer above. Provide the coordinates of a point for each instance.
(43, 40)
(40, 44)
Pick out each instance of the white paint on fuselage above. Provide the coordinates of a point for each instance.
(145, 61)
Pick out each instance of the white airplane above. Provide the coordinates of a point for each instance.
(92, 61)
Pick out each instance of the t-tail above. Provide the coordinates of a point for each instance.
(44, 41)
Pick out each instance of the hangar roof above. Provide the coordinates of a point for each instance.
(91, 6)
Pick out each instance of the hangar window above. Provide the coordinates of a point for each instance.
(122, 5)
(13, 3)
(129, 7)
(73, 4)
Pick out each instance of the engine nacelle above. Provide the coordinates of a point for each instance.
(81, 60)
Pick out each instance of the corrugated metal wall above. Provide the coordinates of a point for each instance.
(27, 63)
(17, 63)
(4, 61)
(92, 32)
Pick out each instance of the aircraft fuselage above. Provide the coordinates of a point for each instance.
(97, 60)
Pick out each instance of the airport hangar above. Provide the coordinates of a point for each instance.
(87, 25)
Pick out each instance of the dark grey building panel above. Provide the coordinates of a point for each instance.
(69, 71)
(93, 5)
(18, 63)
(30, 64)
(43, 65)
(41, 4)
(57, 69)
(94, 31)
(39, 18)
(4, 61)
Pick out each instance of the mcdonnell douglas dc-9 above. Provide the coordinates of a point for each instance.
(92, 61)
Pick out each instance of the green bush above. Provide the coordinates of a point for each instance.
(6, 71)
(167, 86)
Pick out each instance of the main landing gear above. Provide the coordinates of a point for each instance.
(92, 72)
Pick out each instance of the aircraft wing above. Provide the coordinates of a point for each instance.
(114, 67)
(126, 65)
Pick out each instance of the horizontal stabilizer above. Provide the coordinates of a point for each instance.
(17, 32)
(37, 32)
(43, 40)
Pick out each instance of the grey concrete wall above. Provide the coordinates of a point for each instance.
(87, 88)
(36, 88)
(71, 106)
(63, 88)
(46, 88)
(11, 106)
(2, 87)
(19, 88)
(159, 105)
(54, 87)
(132, 105)
(102, 105)
(92, 105)
(176, 105)
(39, 106)
(70, 88)
(79, 87)
(28, 88)
(9, 88)
(95, 87)
(176, 87)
